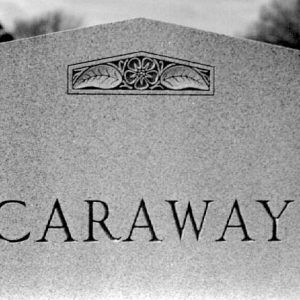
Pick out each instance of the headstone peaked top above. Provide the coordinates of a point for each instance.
(145, 160)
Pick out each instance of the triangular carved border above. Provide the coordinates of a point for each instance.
(140, 73)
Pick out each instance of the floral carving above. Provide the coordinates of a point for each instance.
(141, 72)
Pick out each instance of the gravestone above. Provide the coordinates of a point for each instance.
(144, 160)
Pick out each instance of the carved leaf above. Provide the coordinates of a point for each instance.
(100, 76)
(182, 77)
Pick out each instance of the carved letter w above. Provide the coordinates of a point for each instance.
(189, 212)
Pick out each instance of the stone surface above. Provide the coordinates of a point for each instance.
(234, 134)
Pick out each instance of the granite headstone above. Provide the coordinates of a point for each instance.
(145, 160)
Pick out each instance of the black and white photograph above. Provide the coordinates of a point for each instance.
(150, 150)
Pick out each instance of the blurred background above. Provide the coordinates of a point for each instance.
(271, 21)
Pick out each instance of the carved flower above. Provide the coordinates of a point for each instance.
(141, 73)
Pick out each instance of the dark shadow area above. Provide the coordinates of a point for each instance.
(5, 36)
(279, 24)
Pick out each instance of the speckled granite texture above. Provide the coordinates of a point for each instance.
(240, 143)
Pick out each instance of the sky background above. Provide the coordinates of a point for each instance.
(231, 17)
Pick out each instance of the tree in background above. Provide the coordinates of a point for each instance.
(279, 24)
(51, 22)
(5, 36)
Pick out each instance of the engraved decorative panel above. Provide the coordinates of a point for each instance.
(141, 73)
